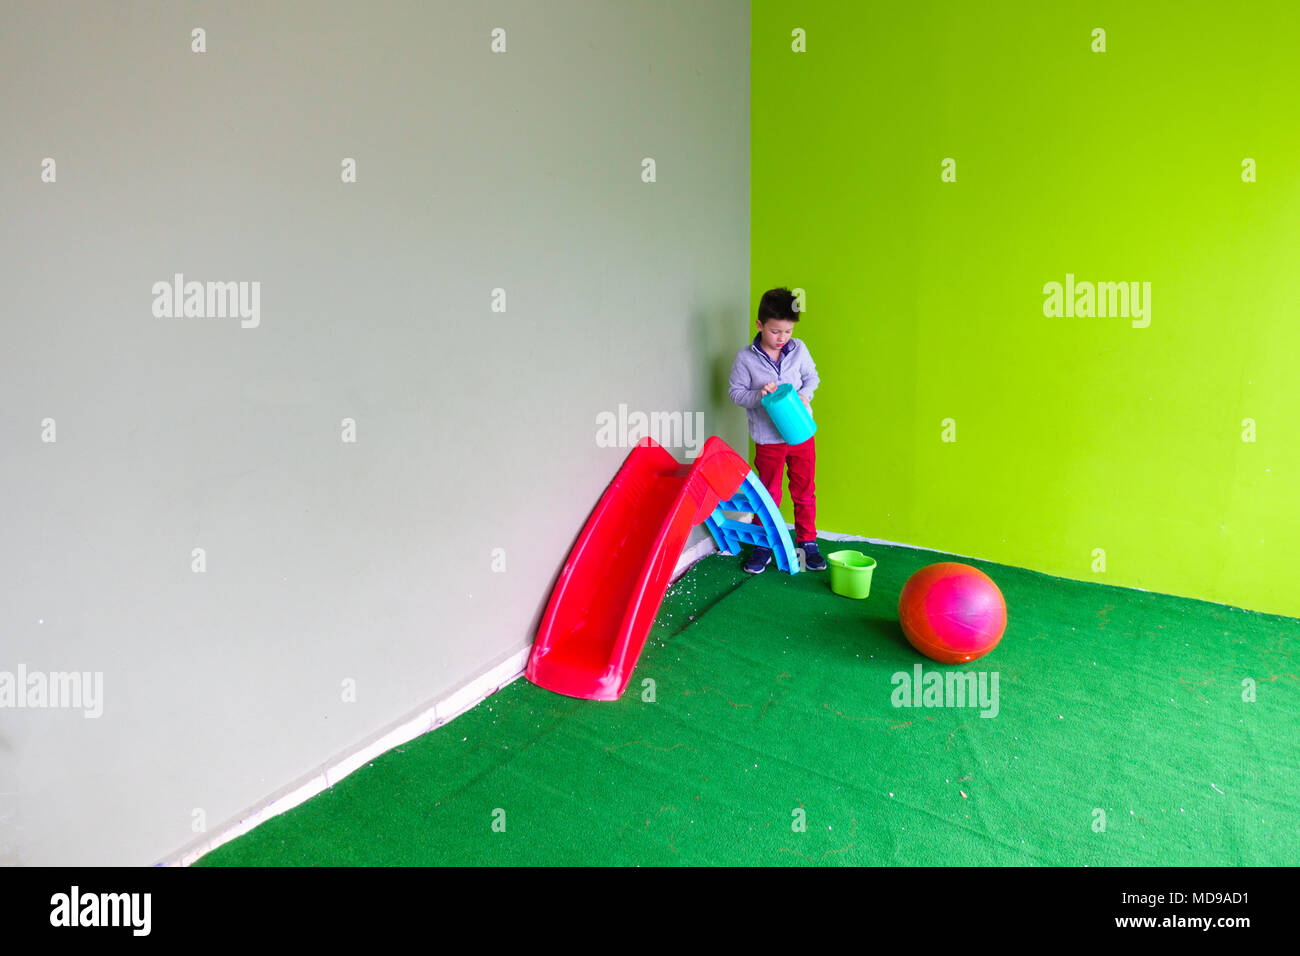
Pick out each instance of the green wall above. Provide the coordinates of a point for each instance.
(925, 298)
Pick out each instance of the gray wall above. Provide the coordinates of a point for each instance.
(327, 560)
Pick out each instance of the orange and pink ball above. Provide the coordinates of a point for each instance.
(952, 612)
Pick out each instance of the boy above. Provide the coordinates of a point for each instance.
(773, 358)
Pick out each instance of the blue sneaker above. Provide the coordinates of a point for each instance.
(759, 559)
(812, 558)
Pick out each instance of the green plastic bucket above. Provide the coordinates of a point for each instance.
(851, 573)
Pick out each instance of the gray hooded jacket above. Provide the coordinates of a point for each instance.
(753, 369)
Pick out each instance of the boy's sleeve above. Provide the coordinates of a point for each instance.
(809, 375)
(739, 388)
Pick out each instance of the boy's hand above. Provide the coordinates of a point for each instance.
(769, 387)
(808, 403)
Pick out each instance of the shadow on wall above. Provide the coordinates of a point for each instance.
(720, 334)
(716, 334)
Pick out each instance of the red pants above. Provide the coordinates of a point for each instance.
(770, 462)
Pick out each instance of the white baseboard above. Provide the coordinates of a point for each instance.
(426, 719)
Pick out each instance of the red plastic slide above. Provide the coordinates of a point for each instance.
(618, 571)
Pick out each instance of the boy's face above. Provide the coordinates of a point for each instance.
(775, 333)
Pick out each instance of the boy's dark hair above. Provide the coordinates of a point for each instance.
(778, 304)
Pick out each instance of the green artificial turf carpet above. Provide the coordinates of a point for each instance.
(1121, 737)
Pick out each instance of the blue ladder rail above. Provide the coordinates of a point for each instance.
(769, 532)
